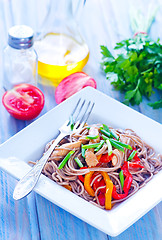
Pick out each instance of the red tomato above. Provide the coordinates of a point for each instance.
(24, 101)
(72, 84)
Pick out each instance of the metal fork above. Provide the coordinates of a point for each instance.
(80, 115)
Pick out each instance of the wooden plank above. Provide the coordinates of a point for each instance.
(62, 225)
(101, 22)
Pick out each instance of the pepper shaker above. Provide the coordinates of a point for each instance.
(20, 59)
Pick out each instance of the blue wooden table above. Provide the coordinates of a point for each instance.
(102, 22)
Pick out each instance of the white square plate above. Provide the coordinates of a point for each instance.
(29, 144)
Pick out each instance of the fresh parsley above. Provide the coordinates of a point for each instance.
(136, 70)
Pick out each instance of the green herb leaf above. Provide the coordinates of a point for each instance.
(136, 70)
(156, 105)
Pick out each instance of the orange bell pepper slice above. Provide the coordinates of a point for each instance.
(109, 189)
(87, 182)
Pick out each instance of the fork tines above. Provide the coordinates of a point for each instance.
(82, 111)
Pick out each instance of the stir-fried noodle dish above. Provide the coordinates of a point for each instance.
(103, 165)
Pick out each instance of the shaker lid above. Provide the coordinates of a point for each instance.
(20, 37)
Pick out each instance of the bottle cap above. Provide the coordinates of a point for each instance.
(20, 37)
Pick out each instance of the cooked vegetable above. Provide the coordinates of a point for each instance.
(72, 84)
(116, 145)
(127, 183)
(137, 68)
(105, 158)
(92, 182)
(71, 122)
(109, 147)
(121, 177)
(108, 134)
(109, 189)
(99, 146)
(91, 137)
(87, 182)
(93, 145)
(112, 134)
(122, 144)
(83, 151)
(64, 161)
(131, 156)
(80, 164)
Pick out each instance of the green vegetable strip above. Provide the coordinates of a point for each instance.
(78, 162)
(114, 135)
(71, 123)
(100, 146)
(104, 137)
(121, 177)
(66, 158)
(132, 155)
(83, 151)
(116, 145)
(94, 145)
(106, 128)
(109, 147)
(122, 144)
(105, 132)
(91, 137)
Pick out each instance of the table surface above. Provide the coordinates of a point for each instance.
(103, 22)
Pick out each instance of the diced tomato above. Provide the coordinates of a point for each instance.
(72, 84)
(101, 198)
(105, 158)
(24, 101)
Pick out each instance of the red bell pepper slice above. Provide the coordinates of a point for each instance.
(81, 177)
(101, 198)
(135, 165)
(105, 158)
(127, 183)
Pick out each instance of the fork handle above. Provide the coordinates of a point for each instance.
(28, 182)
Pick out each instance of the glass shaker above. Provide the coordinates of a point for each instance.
(60, 47)
(20, 59)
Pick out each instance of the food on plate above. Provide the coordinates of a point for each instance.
(72, 84)
(103, 165)
(24, 101)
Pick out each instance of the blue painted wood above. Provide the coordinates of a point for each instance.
(103, 22)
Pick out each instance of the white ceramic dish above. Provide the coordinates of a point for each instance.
(29, 144)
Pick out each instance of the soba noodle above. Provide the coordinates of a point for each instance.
(68, 175)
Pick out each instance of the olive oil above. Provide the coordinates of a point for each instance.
(60, 55)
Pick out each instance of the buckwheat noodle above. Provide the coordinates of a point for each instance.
(68, 175)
